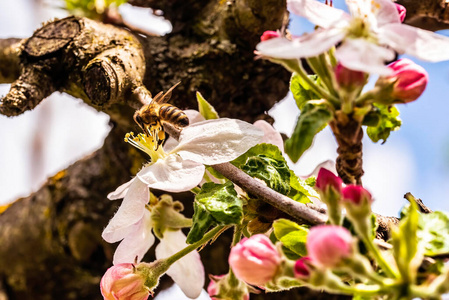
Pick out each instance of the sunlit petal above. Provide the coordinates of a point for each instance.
(420, 43)
(362, 55)
(188, 272)
(385, 12)
(318, 13)
(308, 45)
(217, 141)
(136, 243)
(172, 174)
(130, 212)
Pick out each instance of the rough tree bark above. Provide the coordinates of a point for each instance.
(50, 241)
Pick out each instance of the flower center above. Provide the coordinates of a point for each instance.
(147, 145)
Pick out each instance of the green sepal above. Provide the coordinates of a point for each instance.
(292, 235)
(301, 90)
(313, 119)
(406, 244)
(215, 204)
(205, 108)
(388, 121)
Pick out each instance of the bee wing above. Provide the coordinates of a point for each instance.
(167, 95)
(159, 97)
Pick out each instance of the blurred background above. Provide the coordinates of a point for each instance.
(62, 129)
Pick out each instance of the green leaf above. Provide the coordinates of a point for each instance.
(406, 244)
(434, 233)
(265, 161)
(205, 108)
(215, 204)
(292, 235)
(388, 121)
(275, 173)
(313, 119)
(301, 90)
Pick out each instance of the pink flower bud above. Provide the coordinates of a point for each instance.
(219, 286)
(268, 35)
(302, 270)
(356, 194)
(121, 282)
(402, 11)
(327, 179)
(410, 80)
(328, 245)
(255, 260)
(349, 79)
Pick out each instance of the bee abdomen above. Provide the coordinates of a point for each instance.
(173, 115)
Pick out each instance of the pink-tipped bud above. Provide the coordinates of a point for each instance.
(357, 195)
(349, 79)
(302, 269)
(122, 282)
(326, 179)
(255, 260)
(219, 288)
(407, 82)
(328, 245)
(268, 35)
(401, 11)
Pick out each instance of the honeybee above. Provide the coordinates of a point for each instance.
(151, 116)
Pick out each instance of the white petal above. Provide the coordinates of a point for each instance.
(194, 117)
(327, 164)
(318, 13)
(420, 43)
(121, 191)
(172, 174)
(362, 55)
(217, 141)
(385, 12)
(130, 212)
(271, 135)
(307, 45)
(136, 243)
(188, 272)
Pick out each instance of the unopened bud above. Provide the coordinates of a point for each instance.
(123, 282)
(329, 245)
(401, 11)
(357, 201)
(255, 260)
(302, 269)
(349, 79)
(407, 82)
(268, 35)
(329, 186)
(220, 288)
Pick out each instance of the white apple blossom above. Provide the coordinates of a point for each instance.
(182, 168)
(368, 35)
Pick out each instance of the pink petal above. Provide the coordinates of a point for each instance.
(308, 45)
(188, 272)
(130, 212)
(217, 141)
(362, 55)
(318, 13)
(420, 43)
(172, 174)
(136, 243)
